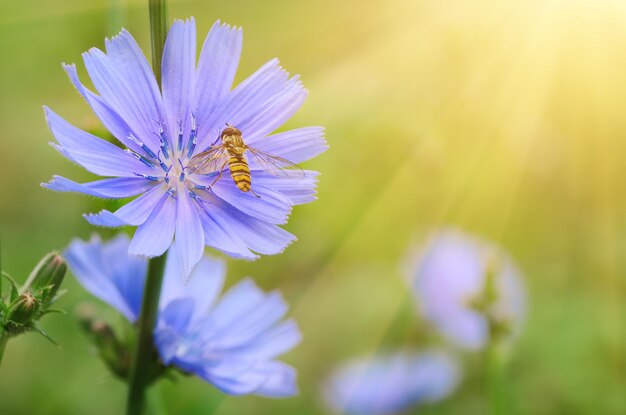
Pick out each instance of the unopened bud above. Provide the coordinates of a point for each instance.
(114, 354)
(47, 277)
(23, 309)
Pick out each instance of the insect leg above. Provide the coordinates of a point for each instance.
(219, 176)
(252, 191)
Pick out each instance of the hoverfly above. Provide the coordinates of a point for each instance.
(230, 149)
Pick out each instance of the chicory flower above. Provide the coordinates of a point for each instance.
(391, 383)
(231, 341)
(469, 289)
(161, 130)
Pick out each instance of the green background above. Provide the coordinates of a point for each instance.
(504, 118)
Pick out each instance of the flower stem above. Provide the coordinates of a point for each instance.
(158, 33)
(145, 359)
(495, 373)
(4, 339)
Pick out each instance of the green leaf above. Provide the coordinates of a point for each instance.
(39, 330)
(14, 289)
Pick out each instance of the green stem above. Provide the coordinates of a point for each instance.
(145, 359)
(3, 344)
(158, 33)
(495, 373)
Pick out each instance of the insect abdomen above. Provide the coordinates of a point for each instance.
(241, 172)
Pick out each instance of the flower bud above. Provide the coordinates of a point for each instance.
(23, 309)
(47, 277)
(112, 352)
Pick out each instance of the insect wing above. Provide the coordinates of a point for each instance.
(275, 165)
(209, 161)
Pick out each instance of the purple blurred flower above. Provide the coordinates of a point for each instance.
(231, 342)
(469, 289)
(160, 132)
(391, 383)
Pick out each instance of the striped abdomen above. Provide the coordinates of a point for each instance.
(240, 171)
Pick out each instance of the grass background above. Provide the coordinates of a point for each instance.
(504, 118)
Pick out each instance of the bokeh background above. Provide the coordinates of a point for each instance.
(504, 118)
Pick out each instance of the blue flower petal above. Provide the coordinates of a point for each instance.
(216, 71)
(220, 235)
(265, 378)
(131, 64)
(178, 313)
(273, 342)
(271, 207)
(247, 98)
(267, 116)
(189, 240)
(247, 326)
(134, 213)
(109, 273)
(298, 191)
(111, 119)
(105, 219)
(451, 275)
(262, 237)
(262, 102)
(203, 285)
(178, 74)
(107, 188)
(120, 97)
(242, 383)
(296, 146)
(280, 380)
(155, 235)
(391, 384)
(240, 300)
(94, 154)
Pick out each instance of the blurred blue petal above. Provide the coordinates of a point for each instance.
(109, 273)
(203, 290)
(391, 383)
(228, 345)
(450, 279)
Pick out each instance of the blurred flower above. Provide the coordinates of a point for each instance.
(469, 289)
(231, 342)
(391, 383)
(160, 133)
